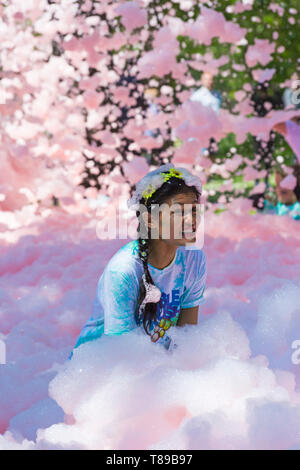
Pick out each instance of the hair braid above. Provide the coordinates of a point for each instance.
(149, 310)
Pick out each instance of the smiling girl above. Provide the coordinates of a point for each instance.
(156, 281)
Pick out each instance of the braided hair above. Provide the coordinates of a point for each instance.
(169, 188)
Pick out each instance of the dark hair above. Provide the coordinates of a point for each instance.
(296, 168)
(171, 187)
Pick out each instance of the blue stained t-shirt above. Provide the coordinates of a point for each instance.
(292, 210)
(182, 284)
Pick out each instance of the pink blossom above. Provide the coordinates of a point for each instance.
(92, 99)
(135, 169)
(261, 52)
(239, 7)
(133, 16)
(212, 24)
(196, 121)
(262, 75)
(289, 182)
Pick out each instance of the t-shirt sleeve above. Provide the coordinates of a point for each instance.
(196, 281)
(118, 293)
(114, 307)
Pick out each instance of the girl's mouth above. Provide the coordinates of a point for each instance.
(189, 233)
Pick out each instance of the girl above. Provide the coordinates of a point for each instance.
(285, 201)
(154, 282)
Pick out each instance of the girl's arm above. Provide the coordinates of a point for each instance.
(194, 290)
(188, 316)
(114, 307)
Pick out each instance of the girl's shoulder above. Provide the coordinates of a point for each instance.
(295, 210)
(268, 206)
(193, 256)
(125, 260)
(129, 249)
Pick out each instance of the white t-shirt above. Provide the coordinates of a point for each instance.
(206, 97)
(182, 284)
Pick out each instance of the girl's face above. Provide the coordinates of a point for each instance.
(207, 79)
(150, 93)
(285, 196)
(179, 218)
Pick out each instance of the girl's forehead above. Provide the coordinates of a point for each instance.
(183, 198)
(189, 197)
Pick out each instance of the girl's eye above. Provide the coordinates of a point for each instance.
(178, 212)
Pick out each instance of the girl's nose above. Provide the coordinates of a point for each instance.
(188, 217)
(189, 221)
